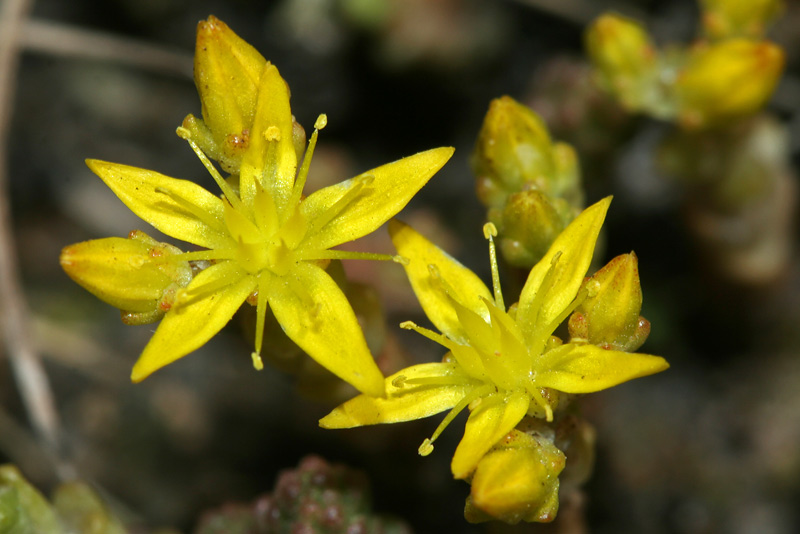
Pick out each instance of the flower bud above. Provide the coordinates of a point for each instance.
(609, 316)
(723, 19)
(513, 152)
(226, 72)
(138, 275)
(517, 480)
(625, 59)
(727, 80)
(529, 224)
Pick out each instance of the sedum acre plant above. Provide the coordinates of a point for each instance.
(264, 241)
(504, 364)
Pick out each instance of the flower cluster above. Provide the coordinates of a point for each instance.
(263, 241)
(503, 363)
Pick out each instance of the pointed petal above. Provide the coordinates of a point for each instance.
(587, 368)
(270, 157)
(179, 208)
(404, 403)
(547, 294)
(465, 285)
(190, 325)
(315, 314)
(391, 187)
(487, 423)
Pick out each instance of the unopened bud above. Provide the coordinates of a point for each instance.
(529, 225)
(226, 72)
(516, 481)
(727, 80)
(513, 152)
(724, 19)
(22, 508)
(609, 315)
(138, 275)
(624, 57)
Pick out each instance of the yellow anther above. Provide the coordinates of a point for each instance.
(408, 325)
(183, 133)
(272, 133)
(321, 122)
(400, 381)
(258, 364)
(489, 230)
(426, 448)
(402, 260)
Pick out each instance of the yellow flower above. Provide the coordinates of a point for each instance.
(265, 241)
(503, 364)
(727, 80)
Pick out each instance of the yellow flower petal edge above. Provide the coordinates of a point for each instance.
(502, 365)
(314, 312)
(179, 208)
(464, 285)
(588, 368)
(200, 311)
(385, 190)
(403, 403)
(553, 282)
(495, 417)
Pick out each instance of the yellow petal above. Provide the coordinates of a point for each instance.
(404, 401)
(389, 189)
(315, 314)
(270, 158)
(487, 423)
(465, 285)
(192, 323)
(547, 294)
(179, 208)
(587, 368)
(226, 72)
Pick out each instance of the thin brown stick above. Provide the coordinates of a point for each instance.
(25, 362)
(56, 39)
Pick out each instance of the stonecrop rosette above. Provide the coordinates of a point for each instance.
(263, 240)
(503, 364)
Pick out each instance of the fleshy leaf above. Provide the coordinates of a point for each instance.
(568, 258)
(587, 368)
(197, 319)
(179, 208)
(404, 402)
(487, 423)
(315, 314)
(467, 288)
(270, 158)
(390, 188)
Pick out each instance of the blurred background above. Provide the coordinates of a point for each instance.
(711, 445)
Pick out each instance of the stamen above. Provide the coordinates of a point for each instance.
(201, 214)
(489, 232)
(360, 182)
(261, 310)
(300, 181)
(427, 446)
(186, 296)
(540, 331)
(582, 295)
(227, 190)
(199, 255)
(541, 401)
(334, 254)
(258, 364)
(430, 334)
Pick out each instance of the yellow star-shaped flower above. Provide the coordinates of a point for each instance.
(503, 364)
(264, 240)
